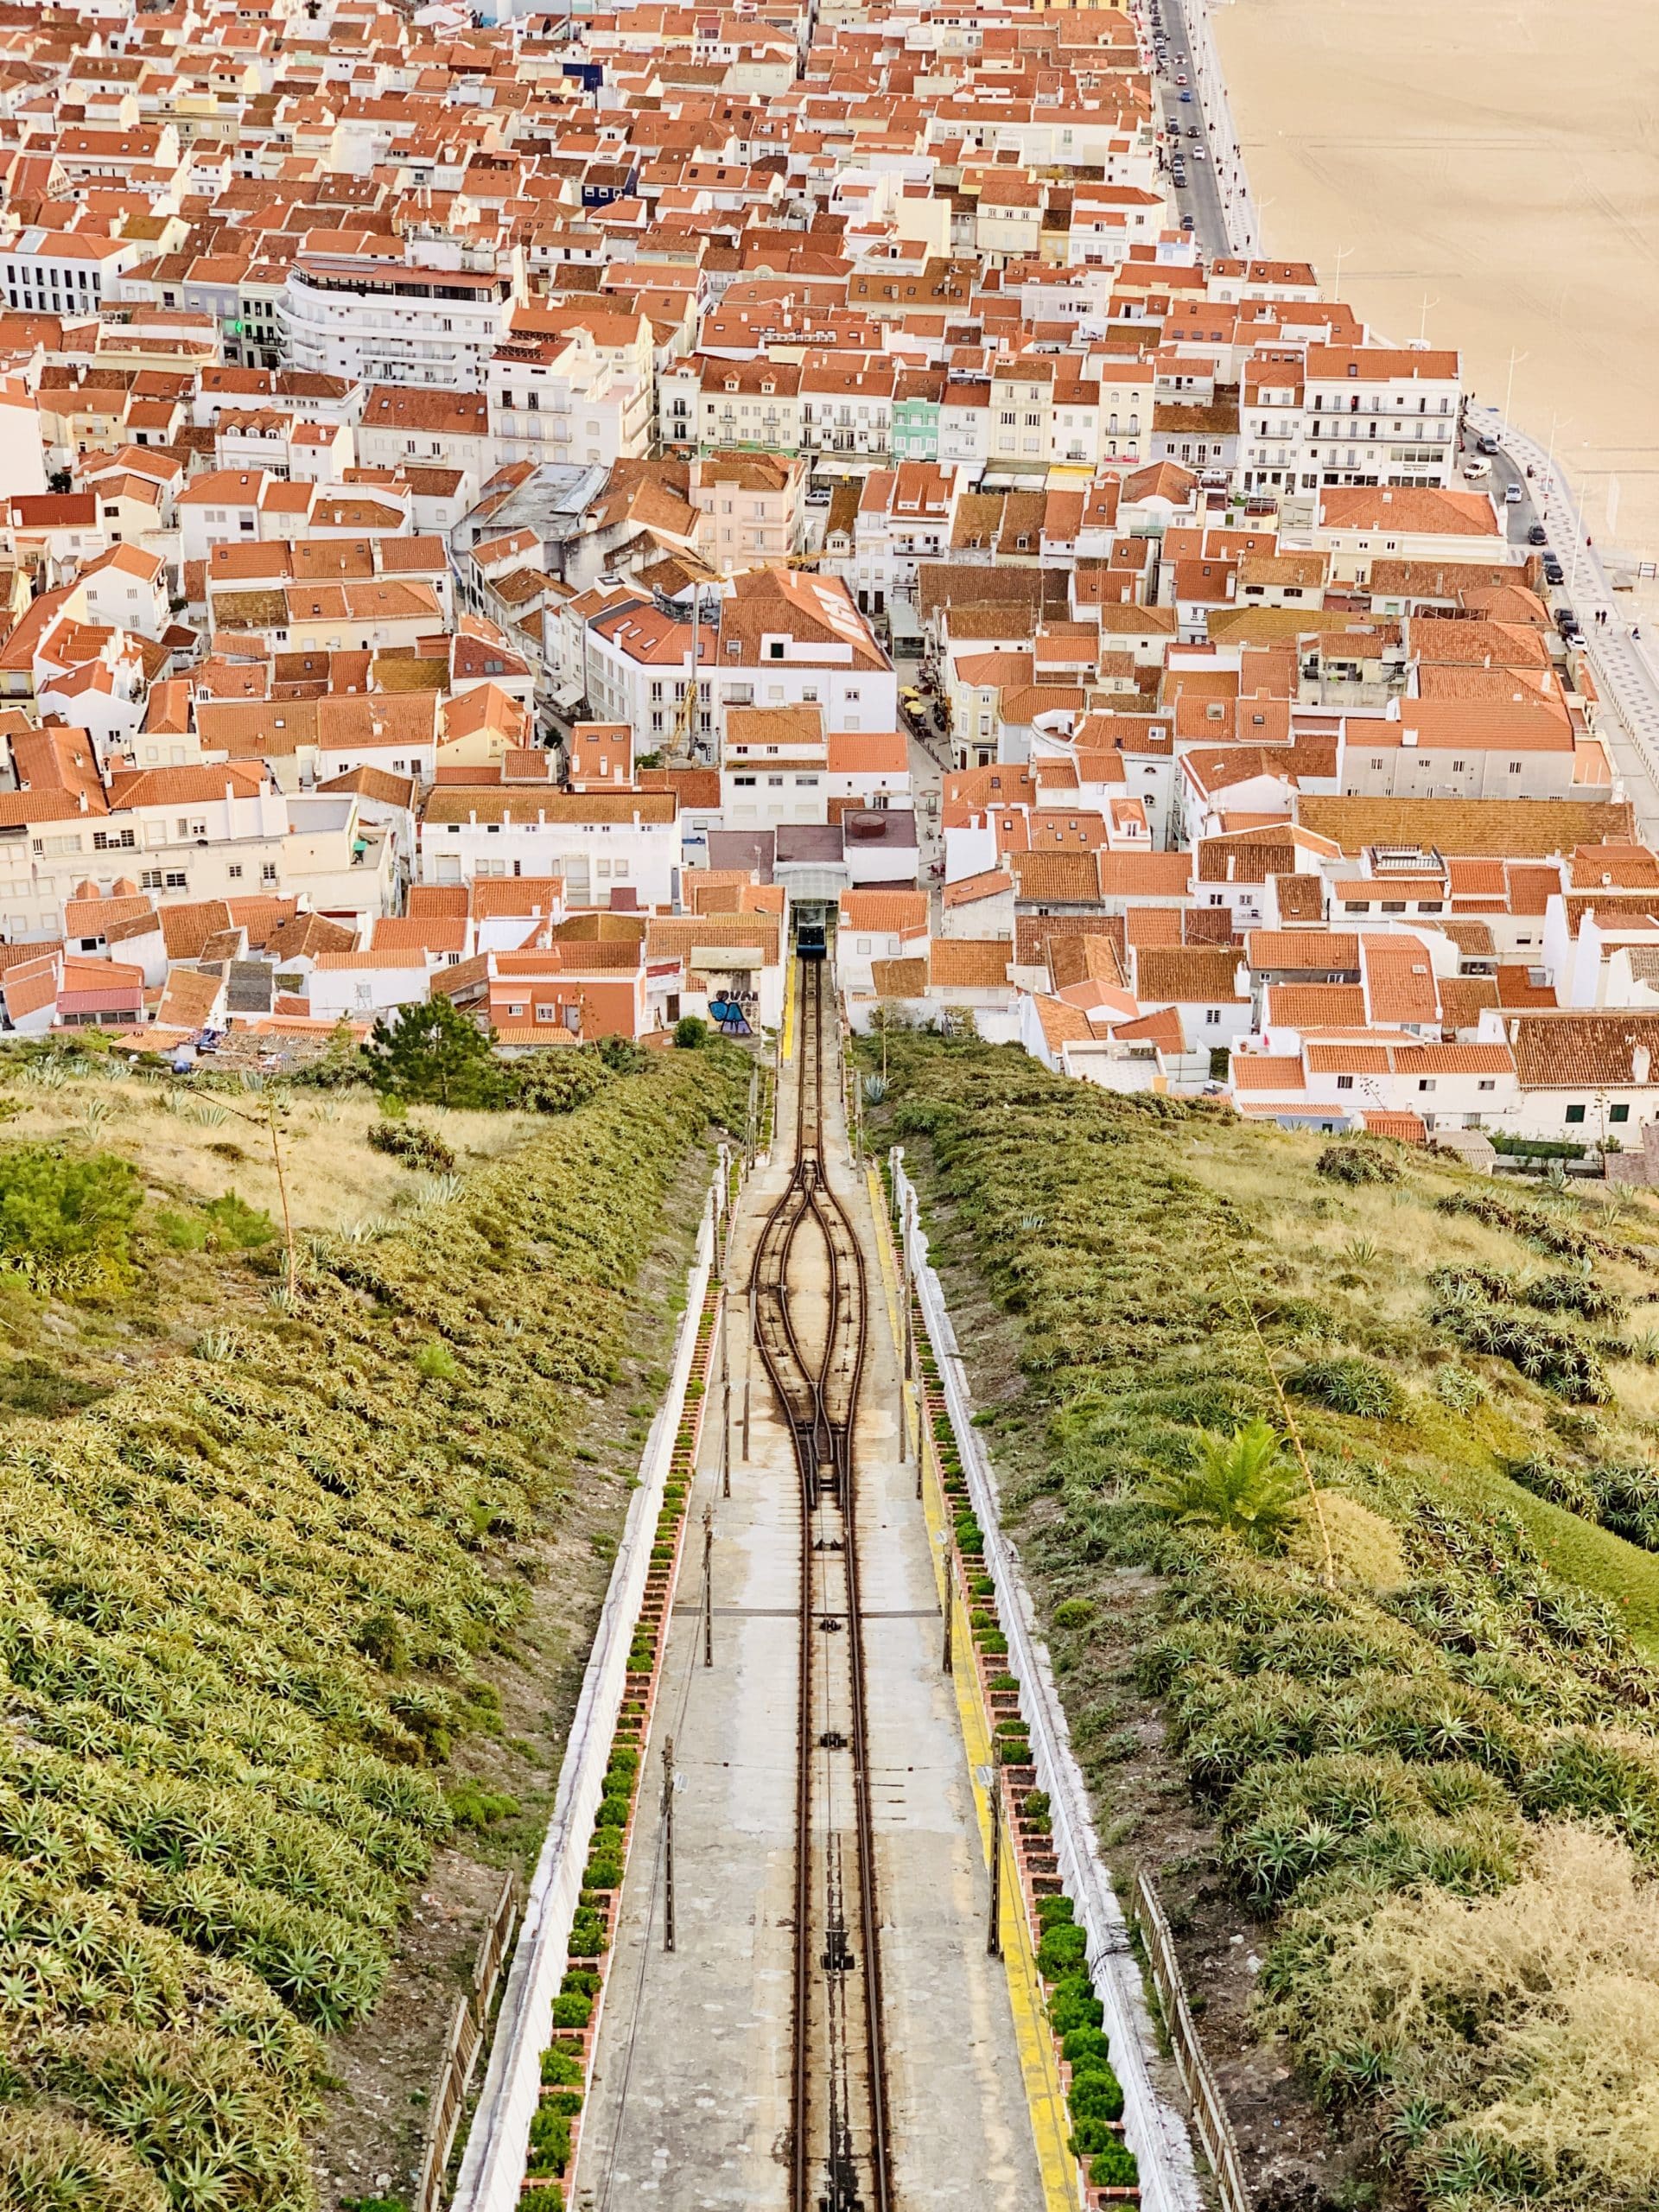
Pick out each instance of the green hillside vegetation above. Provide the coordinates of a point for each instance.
(250, 1607)
(1419, 1710)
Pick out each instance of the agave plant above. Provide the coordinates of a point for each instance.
(216, 1345)
(875, 1090)
(211, 1116)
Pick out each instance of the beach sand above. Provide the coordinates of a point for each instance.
(1499, 159)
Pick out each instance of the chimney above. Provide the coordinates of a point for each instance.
(1641, 1062)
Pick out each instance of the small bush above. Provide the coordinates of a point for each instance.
(1359, 1161)
(238, 1227)
(557, 1081)
(561, 2068)
(435, 1363)
(572, 2010)
(1349, 1384)
(415, 1147)
(475, 1807)
(691, 1032)
(1063, 1949)
(66, 1222)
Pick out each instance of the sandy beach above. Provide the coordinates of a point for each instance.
(1499, 160)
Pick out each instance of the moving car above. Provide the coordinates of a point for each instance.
(1186, 222)
(1513, 495)
(1554, 572)
(1187, 98)
(1475, 471)
(1537, 534)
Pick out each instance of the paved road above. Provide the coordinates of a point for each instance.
(1201, 199)
(1627, 680)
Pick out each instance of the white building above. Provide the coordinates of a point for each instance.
(434, 314)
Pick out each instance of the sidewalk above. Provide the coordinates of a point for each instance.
(1628, 683)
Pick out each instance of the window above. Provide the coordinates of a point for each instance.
(114, 841)
(1426, 1083)
(1212, 1014)
(1486, 1082)
(1345, 1082)
(1514, 767)
(547, 1013)
(1618, 1113)
(1574, 1113)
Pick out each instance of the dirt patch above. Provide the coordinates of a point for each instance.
(1295, 2158)
(369, 2142)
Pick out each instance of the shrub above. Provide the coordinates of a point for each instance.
(1350, 1385)
(550, 2141)
(1062, 1950)
(562, 2068)
(1359, 1161)
(572, 2010)
(1561, 1970)
(1365, 1548)
(691, 1034)
(1096, 2093)
(475, 1807)
(557, 1081)
(1113, 2166)
(589, 1938)
(1073, 2004)
(65, 1221)
(235, 1226)
(1239, 1486)
(435, 1363)
(414, 1146)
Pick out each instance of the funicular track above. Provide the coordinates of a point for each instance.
(810, 1318)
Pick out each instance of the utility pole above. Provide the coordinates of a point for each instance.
(726, 1438)
(668, 1845)
(949, 1614)
(748, 1372)
(708, 1586)
(993, 1927)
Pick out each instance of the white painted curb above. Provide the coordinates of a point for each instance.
(498, 2147)
(1153, 2128)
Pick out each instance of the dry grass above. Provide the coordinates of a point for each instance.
(1562, 1971)
(191, 1145)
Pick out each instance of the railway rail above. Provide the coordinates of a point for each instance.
(811, 1309)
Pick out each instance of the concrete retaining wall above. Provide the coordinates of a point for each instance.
(1155, 2131)
(493, 2166)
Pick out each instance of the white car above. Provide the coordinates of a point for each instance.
(1474, 471)
(1513, 495)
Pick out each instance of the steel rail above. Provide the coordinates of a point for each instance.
(819, 1399)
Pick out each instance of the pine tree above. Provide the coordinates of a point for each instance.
(436, 1052)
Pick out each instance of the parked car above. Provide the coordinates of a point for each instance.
(1567, 623)
(1186, 223)
(1554, 572)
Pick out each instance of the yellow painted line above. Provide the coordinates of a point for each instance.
(789, 1015)
(1039, 2066)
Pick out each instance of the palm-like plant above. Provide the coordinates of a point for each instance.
(1241, 1486)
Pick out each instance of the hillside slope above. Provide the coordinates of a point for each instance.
(1454, 1708)
(249, 1609)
